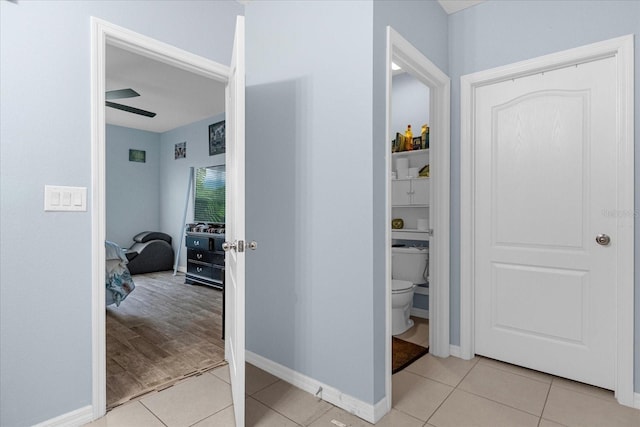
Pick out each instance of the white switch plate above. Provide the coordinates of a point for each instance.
(60, 198)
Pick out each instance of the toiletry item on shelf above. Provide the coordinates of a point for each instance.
(397, 223)
(424, 172)
(402, 167)
(408, 136)
(413, 172)
(399, 142)
(425, 136)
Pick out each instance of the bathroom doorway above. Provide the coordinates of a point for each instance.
(420, 198)
(410, 183)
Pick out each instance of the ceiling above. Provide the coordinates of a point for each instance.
(177, 96)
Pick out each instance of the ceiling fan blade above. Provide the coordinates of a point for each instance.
(121, 93)
(130, 109)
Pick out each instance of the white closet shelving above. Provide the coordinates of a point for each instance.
(410, 197)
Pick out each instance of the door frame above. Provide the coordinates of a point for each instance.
(103, 33)
(403, 53)
(622, 49)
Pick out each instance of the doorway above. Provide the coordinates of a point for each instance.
(104, 33)
(166, 329)
(411, 60)
(571, 256)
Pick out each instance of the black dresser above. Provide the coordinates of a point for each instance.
(205, 259)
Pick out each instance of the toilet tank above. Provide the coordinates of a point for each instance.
(409, 264)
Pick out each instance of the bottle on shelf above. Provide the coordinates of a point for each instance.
(425, 136)
(408, 142)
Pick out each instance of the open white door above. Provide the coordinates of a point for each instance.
(234, 228)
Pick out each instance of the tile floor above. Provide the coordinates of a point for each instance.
(432, 392)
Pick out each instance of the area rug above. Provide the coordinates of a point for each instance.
(404, 353)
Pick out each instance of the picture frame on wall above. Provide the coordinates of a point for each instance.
(139, 156)
(181, 150)
(217, 138)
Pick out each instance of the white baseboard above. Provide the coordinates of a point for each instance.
(182, 269)
(368, 412)
(454, 350)
(75, 418)
(636, 400)
(420, 312)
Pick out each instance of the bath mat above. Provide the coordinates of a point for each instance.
(404, 353)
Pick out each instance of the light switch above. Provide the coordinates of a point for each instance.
(77, 198)
(66, 198)
(55, 198)
(59, 198)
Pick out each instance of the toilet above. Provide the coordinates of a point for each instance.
(407, 269)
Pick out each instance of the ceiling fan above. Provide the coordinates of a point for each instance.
(125, 93)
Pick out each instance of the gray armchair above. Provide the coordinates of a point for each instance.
(151, 252)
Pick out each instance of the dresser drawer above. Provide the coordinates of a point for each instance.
(200, 255)
(204, 243)
(203, 270)
(199, 269)
(205, 256)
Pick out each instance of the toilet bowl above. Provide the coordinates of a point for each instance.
(407, 270)
(401, 301)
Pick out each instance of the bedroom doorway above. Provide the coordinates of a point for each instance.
(165, 329)
(107, 36)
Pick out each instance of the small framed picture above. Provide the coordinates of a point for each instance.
(417, 142)
(181, 150)
(139, 156)
(216, 138)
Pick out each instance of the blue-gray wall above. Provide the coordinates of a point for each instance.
(174, 175)
(152, 195)
(497, 33)
(132, 188)
(308, 173)
(410, 104)
(425, 25)
(45, 312)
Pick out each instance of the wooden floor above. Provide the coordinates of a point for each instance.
(162, 332)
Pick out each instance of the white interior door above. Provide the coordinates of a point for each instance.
(545, 188)
(234, 228)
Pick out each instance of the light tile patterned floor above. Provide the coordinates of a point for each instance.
(431, 392)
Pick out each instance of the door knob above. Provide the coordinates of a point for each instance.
(227, 246)
(603, 239)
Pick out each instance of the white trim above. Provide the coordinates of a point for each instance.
(78, 417)
(403, 53)
(420, 312)
(636, 400)
(622, 49)
(103, 33)
(454, 350)
(366, 411)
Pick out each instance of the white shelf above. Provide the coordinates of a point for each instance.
(410, 234)
(410, 206)
(410, 152)
(409, 179)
